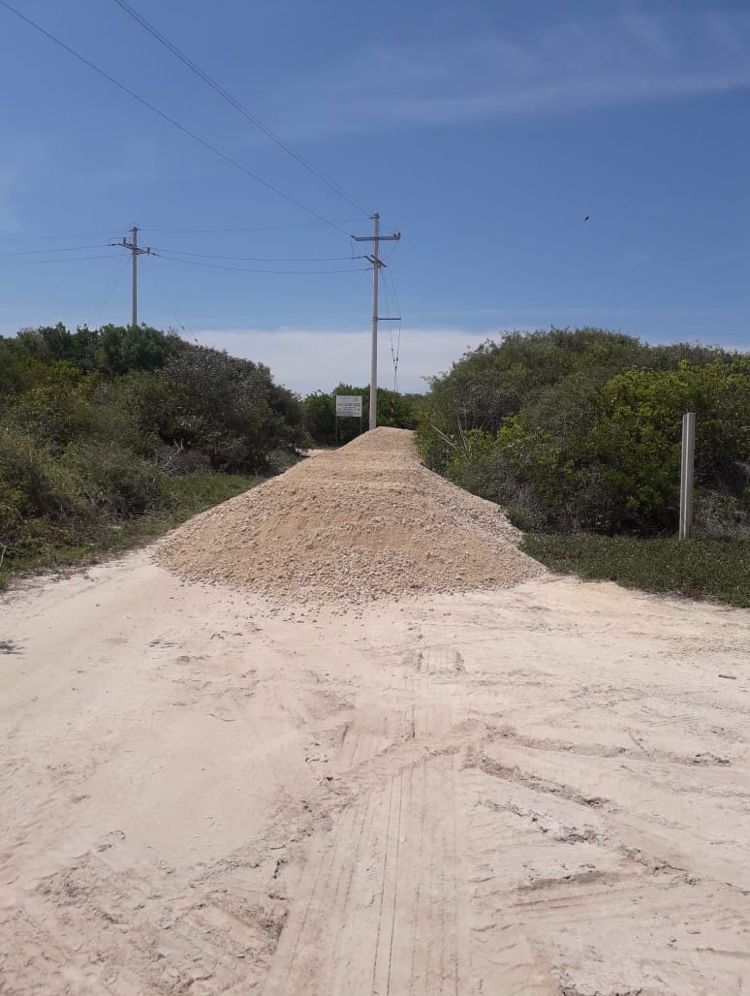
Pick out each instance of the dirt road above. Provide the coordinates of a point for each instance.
(537, 790)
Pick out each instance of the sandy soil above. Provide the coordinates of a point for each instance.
(527, 791)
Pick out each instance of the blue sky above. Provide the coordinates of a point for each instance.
(485, 131)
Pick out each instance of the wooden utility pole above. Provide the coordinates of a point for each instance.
(687, 462)
(376, 238)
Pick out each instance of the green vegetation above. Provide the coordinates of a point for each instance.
(396, 410)
(112, 434)
(701, 568)
(580, 431)
(577, 435)
(187, 494)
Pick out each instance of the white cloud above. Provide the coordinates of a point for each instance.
(608, 59)
(306, 360)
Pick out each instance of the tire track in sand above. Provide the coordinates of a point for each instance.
(378, 907)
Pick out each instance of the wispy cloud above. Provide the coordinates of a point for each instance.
(604, 61)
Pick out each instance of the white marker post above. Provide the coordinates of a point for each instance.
(686, 474)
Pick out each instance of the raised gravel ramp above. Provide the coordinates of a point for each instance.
(358, 523)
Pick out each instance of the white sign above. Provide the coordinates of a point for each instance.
(349, 404)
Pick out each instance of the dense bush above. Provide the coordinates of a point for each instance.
(581, 430)
(94, 424)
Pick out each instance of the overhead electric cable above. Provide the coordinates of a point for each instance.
(59, 235)
(40, 252)
(392, 286)
(392, 299)
(166, 117)
(245, 269)
(253, 228)
(108, 291)
(176, 312)
(64, 259)
(239, 106)
(264, 259)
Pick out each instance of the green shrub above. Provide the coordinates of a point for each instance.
(319, 410)
(114, 480)
(33, 481)
(55, 411)
(96, 427)
(552, 426)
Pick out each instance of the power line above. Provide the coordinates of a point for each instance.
(60, 235)
(392, 306)
(112, 232)
(393, 249)
(68, 259)
(253, 228)
(234, 102)
(166, 117)
(388, 279)
(177, 314)
(245, 269)
(108, 292)
(264, 259)
(165, 254)
(185, 252)
(38, 252)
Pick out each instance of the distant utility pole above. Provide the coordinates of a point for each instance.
(137, 251)
(376, 238)
(687, 460)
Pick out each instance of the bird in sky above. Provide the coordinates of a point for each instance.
(587, 217)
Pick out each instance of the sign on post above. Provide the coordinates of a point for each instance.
(348, 406)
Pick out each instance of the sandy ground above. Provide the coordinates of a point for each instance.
(531, 791)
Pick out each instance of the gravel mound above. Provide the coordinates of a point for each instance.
(362, 522)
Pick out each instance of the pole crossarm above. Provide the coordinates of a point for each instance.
(139, 250)
(396, 237)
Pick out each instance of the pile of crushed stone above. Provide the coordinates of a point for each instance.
(362, 522)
